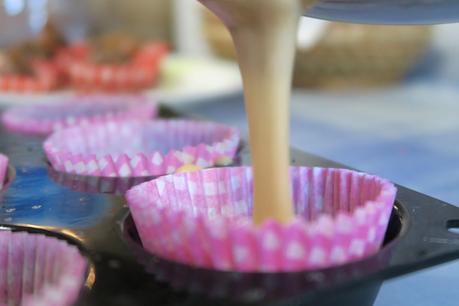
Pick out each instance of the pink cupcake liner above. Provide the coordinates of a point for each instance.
(3, 170)
(39, 270)
(203, 219)
(43, 119)
(136, 149)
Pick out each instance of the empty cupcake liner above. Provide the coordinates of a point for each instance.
(39, 270)
(142, 72)
(135, 149)
(203, 219)
(42, 119)
(3, 170)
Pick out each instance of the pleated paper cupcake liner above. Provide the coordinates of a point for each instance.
(43, 119)
(136, 149)
(39, 270)
(141, 73)
(203, 219)
(3, 170)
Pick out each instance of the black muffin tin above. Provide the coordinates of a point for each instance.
(91, 213)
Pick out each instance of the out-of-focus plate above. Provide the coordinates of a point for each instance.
(188, 80)
(7, 98)
(183, 80)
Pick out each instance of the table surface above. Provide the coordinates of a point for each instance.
(400, 133)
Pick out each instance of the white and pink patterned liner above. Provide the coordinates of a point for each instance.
(39, 270)
(134, 149)
(203, 219)
(43, 119)
(3, 170)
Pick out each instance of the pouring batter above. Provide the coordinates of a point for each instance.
(264, 34)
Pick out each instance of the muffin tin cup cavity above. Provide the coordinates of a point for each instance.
(96, 184)
(43, 119)
(203, 219)
(39, 270)
(139, 149)
(241, 286)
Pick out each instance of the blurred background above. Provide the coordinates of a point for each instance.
(383, 99)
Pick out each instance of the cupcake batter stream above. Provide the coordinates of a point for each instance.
(264, 34)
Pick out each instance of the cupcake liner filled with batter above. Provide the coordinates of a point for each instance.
(203, 219)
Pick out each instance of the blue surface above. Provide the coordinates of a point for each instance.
(34, 198)
(408, 134)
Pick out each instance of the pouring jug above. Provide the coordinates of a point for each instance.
(386, 11)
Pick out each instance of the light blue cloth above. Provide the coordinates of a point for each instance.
(408, 134)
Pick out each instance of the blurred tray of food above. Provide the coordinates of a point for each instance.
(341, 55)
